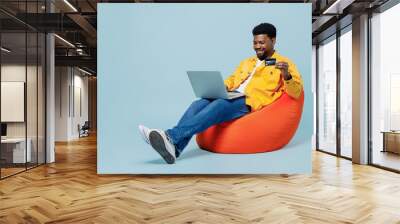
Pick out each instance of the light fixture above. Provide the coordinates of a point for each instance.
(337, 7)
(84, 71)
(79, 51)
(70, 5)
(65, 41)
(5, 50)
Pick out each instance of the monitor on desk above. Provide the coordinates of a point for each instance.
(3, 130)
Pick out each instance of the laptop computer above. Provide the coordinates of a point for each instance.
(210, 85)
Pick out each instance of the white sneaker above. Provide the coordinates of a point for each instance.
(144, 132)
(160, 142)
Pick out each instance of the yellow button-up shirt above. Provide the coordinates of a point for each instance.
(267, 83)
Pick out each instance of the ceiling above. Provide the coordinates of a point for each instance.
(76, 22)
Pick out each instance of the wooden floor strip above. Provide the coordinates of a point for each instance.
(70, 191)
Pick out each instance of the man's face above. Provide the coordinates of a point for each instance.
(263, 45)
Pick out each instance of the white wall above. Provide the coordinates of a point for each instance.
(13, 101)
(12, 73)
(62, 81)
(71, 87)
(80, 109)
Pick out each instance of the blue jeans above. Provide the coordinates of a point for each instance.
(202, 114)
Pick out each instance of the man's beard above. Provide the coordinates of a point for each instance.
(262, 57)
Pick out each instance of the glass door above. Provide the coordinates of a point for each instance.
(346, 92)
(385, 90)
(327, 95)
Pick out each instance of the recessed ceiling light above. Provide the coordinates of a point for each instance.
(65, 41)
(337, 7)
(5, 50)
(84, 71)
(70, 5)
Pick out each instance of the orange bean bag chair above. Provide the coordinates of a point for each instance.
(265, 130)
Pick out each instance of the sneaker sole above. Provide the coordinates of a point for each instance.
(157, 142)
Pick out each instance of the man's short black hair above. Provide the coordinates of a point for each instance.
(265, 28)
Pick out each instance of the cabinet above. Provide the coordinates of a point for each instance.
(13, 150)
(391, 141)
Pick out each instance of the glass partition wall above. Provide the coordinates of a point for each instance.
(327, 95)
(334, 85)
(346, 74)
(385, 90)
(22, 88)
(334, 90)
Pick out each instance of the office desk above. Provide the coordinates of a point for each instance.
(13, 150)
(391, 141)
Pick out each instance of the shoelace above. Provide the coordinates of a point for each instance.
(169, 139)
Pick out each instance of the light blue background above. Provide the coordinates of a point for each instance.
(144, 51)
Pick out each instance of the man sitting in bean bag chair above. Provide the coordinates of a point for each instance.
(265, 79)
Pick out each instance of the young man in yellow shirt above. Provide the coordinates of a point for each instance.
(261, 84)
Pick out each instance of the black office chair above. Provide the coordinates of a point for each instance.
(84, 130)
